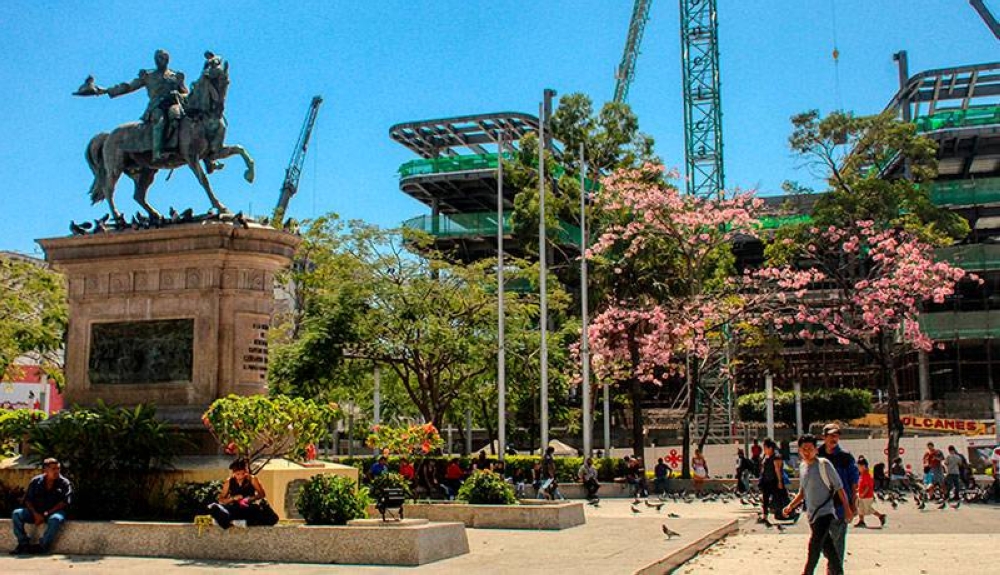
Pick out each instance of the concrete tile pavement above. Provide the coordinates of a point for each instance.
(929, 542)
(613, 541)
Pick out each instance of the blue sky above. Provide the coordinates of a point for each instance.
(380, 63)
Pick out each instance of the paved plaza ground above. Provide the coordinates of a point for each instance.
(929, 542)
(614, 540)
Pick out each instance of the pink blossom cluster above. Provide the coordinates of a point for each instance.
(653, 208)
(868, 282)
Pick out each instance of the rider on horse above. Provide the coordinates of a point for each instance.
(166, 91)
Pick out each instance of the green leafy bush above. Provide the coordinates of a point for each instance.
(389, 480)
(487, 488)
(193, 498)
(817, 405)
(111, 455)
(10, 499)
(14, 427)
(332, 500)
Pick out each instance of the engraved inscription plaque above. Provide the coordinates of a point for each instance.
(137, 352)
(251, 349)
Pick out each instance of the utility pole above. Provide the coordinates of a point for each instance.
(769, 394)
(588, 424)
(543, 143)
(501, 345)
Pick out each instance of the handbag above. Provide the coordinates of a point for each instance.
(265, 514)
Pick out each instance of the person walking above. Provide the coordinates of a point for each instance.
(847, 470)
(820, 486)
(933, 471)
(549, 488)
(866, 496)
(745, 470)
(588, 477)
(774, 492)
(699, 469)
(953, 480)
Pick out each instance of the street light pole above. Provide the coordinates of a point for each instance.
(588, 424)
(543, 315)
(501, 346)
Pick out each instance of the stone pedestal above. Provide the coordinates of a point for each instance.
(176, 316)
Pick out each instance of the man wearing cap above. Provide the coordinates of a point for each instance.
(45, 502)
(847, 469)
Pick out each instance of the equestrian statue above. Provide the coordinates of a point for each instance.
(178, 127)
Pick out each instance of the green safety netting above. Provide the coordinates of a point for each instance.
(975, 257)
(965, 192)
(958, 118)
(961, 325)
(465, 163)
(478, 224)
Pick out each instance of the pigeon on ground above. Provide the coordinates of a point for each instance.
(670, 534)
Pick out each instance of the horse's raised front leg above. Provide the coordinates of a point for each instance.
(142, 183)
(227, 151)
(199, 173)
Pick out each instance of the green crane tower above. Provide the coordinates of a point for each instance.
(702, 99)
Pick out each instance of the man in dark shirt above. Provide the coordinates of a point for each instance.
(660, 474)
(46, 500)
(847, 469)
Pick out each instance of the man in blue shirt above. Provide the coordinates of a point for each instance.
(847, 469)
(46, 500)
(379, 467)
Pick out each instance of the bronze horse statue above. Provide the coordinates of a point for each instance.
(199, 135)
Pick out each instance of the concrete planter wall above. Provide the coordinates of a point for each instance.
(368, 542)
(528, 515)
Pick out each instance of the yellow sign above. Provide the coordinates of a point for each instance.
(923, 423)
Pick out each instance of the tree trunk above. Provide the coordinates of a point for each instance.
(638, 440)
(635, 392)
(692, 378)
(889, 380)
(895, 421)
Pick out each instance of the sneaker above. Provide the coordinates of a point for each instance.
(860, 525)
(242, 523)
(21, 549)
(882, 520)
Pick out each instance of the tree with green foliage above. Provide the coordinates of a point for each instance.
(258, 428)
(33, 315)
(309, 342)
(870, 246)
(853, 153)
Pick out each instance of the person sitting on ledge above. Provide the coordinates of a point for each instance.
(46, 500)
(242, 498)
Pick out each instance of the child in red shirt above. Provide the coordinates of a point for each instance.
(866, 495)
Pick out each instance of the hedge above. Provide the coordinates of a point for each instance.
(817, 405)
(566, 467)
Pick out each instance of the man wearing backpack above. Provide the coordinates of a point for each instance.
(847, 471)
(820, 486)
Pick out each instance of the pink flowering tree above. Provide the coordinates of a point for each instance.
(664, 261)
(863, 287)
